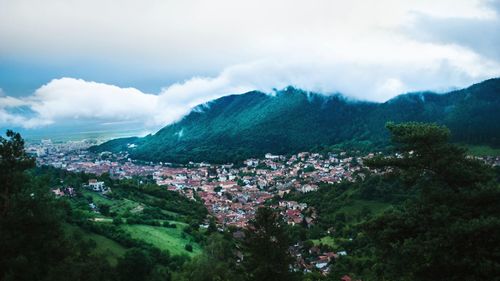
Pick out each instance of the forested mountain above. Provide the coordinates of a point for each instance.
(236, 127)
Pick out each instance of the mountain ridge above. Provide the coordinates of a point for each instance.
(235, 127)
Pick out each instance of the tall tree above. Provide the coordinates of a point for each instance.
(33, 244)
(267, 246)
(451, 230)
(217, 262)
(13, 162)
(135, 265)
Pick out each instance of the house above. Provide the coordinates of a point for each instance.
(97, 186)
(271, 157)
(308, 188)
(58, 192)
(251, 162)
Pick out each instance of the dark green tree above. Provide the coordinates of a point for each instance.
(451, 230)
(13, 162)
(135, 265)
(33, 243)
(218, 262)
(267, 246)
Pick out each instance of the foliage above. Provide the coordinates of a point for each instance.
(451, 229)
(159, 198)
(234, 128)
(33, 243)
(216, 263)
(13, 162)
(266, 244)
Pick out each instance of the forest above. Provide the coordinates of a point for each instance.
(237, 127)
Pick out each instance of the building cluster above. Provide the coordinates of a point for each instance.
(313, 258)
(64, 191)
(490, 160)
(231, 194)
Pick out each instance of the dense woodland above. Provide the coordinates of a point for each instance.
(238, 127)
(432, 213)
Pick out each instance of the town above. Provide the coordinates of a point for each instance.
(231, 193)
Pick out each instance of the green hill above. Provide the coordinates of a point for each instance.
(236, 127)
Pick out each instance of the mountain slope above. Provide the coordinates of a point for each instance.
(236, 127)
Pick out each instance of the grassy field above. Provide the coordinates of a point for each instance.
(107, 247)
(96, 197)
(357, 205)
(171, 239)
(118, 206)
(164, 238)
(104, 246)
(121, 206)
(327, 240)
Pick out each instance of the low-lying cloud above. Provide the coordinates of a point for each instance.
(67, 99)
(362, 49)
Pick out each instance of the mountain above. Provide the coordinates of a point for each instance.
(236, 127)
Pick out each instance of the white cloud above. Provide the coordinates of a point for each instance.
(70, 99)
(76, 98)
(360, 48)
(207, 36)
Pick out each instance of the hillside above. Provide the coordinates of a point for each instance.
(236, 127)
(131, 215)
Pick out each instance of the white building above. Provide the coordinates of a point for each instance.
(97, 186)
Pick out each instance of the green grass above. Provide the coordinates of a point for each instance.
(97, 198)
(104, 246)
(164, 238)
(119, 206)
(170, 239)
(152, 198)
(126, 205)
(107, 247)
(356, 206)
(327, 240)
(483, 150)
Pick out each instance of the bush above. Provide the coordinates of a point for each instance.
(117, 221)
(169, 225)
(188, 247)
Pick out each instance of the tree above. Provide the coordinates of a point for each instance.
(104, 209)
(451, 230)
(33, 243)
(267, 247)
(13, 162)
(212, 227)
(426, 154)
(135, 265)
(217, 262)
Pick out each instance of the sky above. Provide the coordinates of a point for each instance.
(144, 64)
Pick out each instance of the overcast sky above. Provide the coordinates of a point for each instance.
(151, 61)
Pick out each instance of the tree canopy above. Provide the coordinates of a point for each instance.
(267, 247)
(451, 230)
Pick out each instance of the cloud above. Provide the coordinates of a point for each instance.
(369, 50)
(69, 99)
(66, 99)
(475, 34)
(204, 37)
